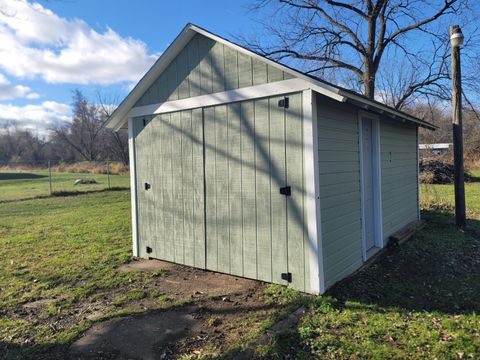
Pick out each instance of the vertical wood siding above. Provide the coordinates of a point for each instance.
(296, 220)
(398, 148)
(169, 151)
(340, 202)
(146, 199)
(204, 67)
(235, 157)
(252, 149)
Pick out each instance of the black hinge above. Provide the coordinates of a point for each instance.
(149, 250)
(287, 277)
(287, 191)
(283, 103)
(147, 186)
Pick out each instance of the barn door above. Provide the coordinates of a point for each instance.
(254, 189)
(170, 187)
(145, 162)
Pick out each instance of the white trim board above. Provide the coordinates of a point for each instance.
(133, 187)
(247, 93)
(312, 192)
(377, 181)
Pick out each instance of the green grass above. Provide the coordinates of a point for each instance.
(442, 196)
(15, 185)
(419, 300)
(64, 250)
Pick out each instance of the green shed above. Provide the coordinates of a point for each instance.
(245, 166)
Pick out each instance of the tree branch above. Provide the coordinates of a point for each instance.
(336, 62)
(448, 4)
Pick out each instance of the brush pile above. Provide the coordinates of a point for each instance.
(438, 172)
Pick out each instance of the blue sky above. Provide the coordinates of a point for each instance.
(51, 47)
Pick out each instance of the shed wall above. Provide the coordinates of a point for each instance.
(213, 200)
(340, 201)
(205, 66)
(398, 148)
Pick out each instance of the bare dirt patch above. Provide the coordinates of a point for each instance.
(135, 336)
(186, 283)
(204, 310)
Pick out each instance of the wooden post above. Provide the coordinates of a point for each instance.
(50, 176)
(108, 173)
(456, 39)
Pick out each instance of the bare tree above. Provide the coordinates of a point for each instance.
(115, 142)
(85, 131)
(348, 41)
(20, 145)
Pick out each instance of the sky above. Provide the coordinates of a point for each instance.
(48, 48)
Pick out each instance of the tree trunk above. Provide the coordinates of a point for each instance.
(369, 84)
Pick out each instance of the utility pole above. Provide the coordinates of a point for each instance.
(456, 40)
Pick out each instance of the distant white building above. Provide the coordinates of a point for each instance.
(435, 148)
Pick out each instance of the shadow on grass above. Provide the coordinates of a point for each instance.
(32, 351)
(81, 192)
(474, 179)
(20, 176)
(438, 270)
(436, 273)
(145, 334)
(66, 194)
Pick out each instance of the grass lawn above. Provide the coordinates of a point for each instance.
(15, 185)
(419, 300)
(64, 249)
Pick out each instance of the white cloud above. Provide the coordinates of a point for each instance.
(56, 107)
(40, 117)
(38, 43)
(9, 91)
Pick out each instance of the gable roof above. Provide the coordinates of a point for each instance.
(118, 118)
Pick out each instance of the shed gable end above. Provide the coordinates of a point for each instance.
(205, 66)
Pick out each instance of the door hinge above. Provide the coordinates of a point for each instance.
(147, 186)
(283, 103)
(287, 276)
(287, 191)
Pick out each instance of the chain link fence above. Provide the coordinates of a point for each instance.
(23, 180)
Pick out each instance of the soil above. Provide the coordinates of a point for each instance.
(214, 308)
(186, 283)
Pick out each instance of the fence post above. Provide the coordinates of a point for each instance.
(50, 176)
(108, 173)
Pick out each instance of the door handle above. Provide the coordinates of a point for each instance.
(287, 191)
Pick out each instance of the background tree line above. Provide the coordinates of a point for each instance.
(394, 51)
(85, 138)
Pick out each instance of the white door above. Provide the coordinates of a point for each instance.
(369, 181)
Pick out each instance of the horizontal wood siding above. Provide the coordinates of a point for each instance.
(340, 202)
(204, 67)
(398, 147)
